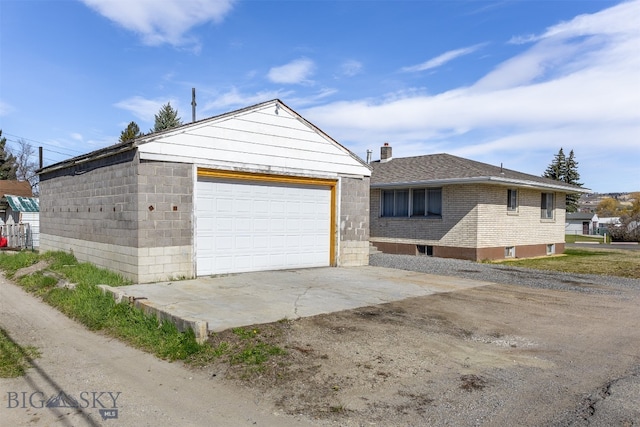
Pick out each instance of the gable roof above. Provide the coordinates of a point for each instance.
(443, 169)
(215, 138)
(17, 188)
(23, 204)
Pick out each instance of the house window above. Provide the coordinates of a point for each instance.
(512, 200)
(551, 249)
(395, 203)
(510, 252)
(546, 206)
(425, 202)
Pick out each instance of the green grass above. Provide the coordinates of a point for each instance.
(579, 238)
(14, 359)
(87, 304)
(599, 260)
(245, 350)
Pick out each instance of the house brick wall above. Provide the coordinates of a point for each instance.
(499, 227)
(457, 227)
(354, 222)
(475, 224)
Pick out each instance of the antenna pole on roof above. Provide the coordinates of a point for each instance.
(193, 104)
(40, 156)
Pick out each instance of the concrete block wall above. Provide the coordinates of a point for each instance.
(354, 222)
(165, 197)
(93, 201)
(128, 216)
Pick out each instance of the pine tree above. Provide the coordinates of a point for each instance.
(166, 118)
(566, 170)
(571, 176)
(557, 167)
(8, 164)
(131, 132)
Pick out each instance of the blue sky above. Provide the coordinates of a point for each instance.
(505, 81)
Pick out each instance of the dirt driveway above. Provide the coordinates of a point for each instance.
(500, 354)
(493, 355)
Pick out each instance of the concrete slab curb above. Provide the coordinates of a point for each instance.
(200, 327)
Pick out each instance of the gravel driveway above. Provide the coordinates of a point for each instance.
(505, 274)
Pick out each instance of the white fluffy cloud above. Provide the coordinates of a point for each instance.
(142, 108)
(162, 21)
(295, 72)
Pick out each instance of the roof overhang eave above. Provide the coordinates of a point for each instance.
(96, 155)
(493, 180)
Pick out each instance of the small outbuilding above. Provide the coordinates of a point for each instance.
(581, 223)
(255, 189)
(22, 221)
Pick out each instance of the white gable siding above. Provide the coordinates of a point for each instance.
(270, 138)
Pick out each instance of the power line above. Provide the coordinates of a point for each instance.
(44, 144)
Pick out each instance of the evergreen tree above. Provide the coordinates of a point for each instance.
(8, 164)
(566, 170)
(166, 118)
(557, 167)
(131, 132)
(571, 176)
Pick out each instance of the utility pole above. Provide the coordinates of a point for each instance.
(193, 104)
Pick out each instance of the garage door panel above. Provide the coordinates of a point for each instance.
(247, 226)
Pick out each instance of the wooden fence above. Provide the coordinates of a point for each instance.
(19, 236)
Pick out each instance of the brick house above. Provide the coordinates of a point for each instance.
(446, 206)
(255, 189)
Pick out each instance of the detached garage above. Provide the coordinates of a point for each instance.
(255, 189)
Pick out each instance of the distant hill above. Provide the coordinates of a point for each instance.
(589, 202)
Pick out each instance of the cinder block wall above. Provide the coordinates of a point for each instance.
(94, 201)
(118, 213)
(354, 222)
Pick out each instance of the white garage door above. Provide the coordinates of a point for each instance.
(248, 226)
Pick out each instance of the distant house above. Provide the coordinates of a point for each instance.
(19, 213)
(581, 223)
(259, 188)
(447, 206)
(14, 188)
(24, 214)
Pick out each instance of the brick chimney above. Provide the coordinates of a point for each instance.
(385, 153)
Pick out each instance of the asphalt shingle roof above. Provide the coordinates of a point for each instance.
(446, 167)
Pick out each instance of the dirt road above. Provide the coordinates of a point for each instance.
(111, 384)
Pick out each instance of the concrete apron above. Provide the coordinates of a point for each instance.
(218, 303)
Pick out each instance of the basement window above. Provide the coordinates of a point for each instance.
(551, 249)
(510, 252)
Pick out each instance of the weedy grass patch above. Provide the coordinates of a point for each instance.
(87, 304)
(599, 260)
(247, 351)
(14, 359)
